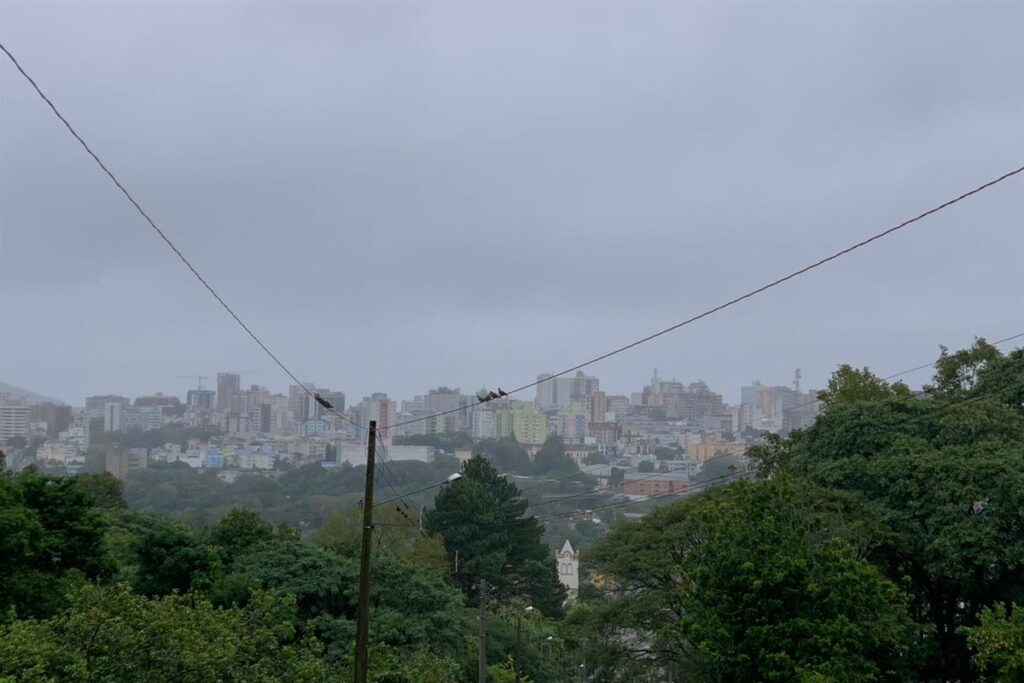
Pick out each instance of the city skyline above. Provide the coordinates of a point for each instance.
(432, 235)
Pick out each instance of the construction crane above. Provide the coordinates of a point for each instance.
(198, 378)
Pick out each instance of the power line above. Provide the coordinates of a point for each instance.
(742, 297)
(161, 233)
(581, 473)
(895, 375)
(519, 389)
(721, 479)
(724, 478)
(584, 494)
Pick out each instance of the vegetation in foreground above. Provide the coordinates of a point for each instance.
(885, 543)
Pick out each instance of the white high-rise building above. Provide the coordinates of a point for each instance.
(113, 417)
(14, 418)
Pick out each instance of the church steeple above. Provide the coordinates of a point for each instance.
(569, 570)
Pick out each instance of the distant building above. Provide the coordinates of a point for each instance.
(301, 402)
(606, 433)
(227, 384)
(313, 427)
(355, 454)
(378, 407)
(113, 416)
(619, 405)
(580, 453)
(777, 409)
(200, 399)
(568, 561)
(561, 392)
(653, 485)
(62, 453)
(702, 452)
(482, 423)
(449, 402)
(119, 461)
(96, 404)
(335, 398)
(56, 416)
(157, 400)
(15, 418)
(141, 419)
(521, 421)
(213, 458)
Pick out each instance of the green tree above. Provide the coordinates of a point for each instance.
(239, 531)
(849, 384)
(106, 490)
(413, 607)
(173, 559)
(645, 466)
(751, 582)
(480, 517)
(551, 459)
(507, 455)
(109, 635)
(998, 640)
(397, 531)
(956, 374)
(50, 533)
(946, 474)
(664, 453)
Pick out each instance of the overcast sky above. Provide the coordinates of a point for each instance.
(399, 196)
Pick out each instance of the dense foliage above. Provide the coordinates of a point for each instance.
(480, 517)
(885, 542)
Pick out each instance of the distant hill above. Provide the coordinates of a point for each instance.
(29, 396)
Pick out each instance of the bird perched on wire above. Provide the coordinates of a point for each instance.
(484, 396)
(502, 393)
(323, 401)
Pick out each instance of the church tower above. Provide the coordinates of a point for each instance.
(569, 570)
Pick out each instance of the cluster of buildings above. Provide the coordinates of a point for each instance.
(260, 430)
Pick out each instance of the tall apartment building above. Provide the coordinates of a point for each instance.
(776, 409)
(200, 399)
(227, 384)
(15, 418)
(598, 406)
(378, 407)
(301, 403)
(119, 461)
(113, 416)
(449, 402)
(96, 404)
(554, 393)
(521, 421)
(56, 416)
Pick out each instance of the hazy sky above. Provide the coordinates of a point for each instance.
(397, 196)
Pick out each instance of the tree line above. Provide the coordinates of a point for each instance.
(883, 543)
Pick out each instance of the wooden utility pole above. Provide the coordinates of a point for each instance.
(363, 614)
(482, 647)
(519, 651)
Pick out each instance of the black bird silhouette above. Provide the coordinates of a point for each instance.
(323, 401)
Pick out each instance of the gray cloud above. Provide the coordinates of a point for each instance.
(401, 196)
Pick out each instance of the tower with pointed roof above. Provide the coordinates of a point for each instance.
(569, 570)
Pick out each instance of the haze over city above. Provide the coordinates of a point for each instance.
(402, 197)
(476, 342)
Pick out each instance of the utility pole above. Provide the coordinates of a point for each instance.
(482, 648)
(363, 614)
(519, 654)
